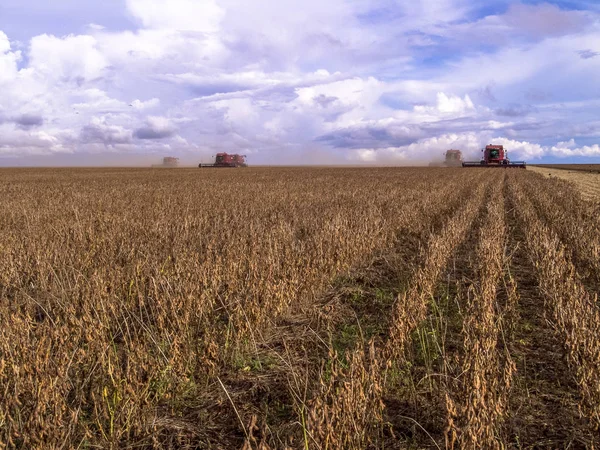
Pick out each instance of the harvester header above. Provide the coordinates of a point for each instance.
(495, 156)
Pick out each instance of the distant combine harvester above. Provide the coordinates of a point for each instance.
(168, 161)
(223, 160)
(452, 158)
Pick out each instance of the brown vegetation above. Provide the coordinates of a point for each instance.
(585, 178)
(297, 308)
(573, 167)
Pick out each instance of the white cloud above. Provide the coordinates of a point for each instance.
(156, 128)
(522, 149)
(569, 149)
(38, 142)
(70, 58)
(152, 103)
(158, 52)
(433, 148)
(95, 99)
(423, 150)
(8, 61)
(96, 27)
(448, 105)
(188, 15)
(99, 131)
(4, 43)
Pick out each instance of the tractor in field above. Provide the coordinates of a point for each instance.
(495, 156)
(227, 160)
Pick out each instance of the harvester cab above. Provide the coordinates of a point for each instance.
(495, 156)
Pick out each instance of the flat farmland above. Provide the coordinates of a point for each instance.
(595, 168)
(587, 181)
(300, 308)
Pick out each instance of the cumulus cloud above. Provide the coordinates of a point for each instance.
(4, 43)
(27, 121)
(100, 132)
(188, 15)
(66, 59)
(448, 104)
(423, 150)
(570, 148)
(523, 150)
(36, 142)
(148, 104)
(432, 149)
(156, 128)
(8, 60)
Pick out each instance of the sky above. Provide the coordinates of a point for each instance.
(286, 82)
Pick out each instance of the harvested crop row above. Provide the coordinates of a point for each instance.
(479, 407)
(573, 310)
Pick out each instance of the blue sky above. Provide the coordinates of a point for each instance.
(341, 81)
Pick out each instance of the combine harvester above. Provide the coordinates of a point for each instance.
(452, 158)
(227, 160)
(495, 156)
(168, 162)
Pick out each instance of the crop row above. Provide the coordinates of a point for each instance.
(478, 409)
(574, 311)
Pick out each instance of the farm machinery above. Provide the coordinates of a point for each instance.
(452, 158)
(168, 161)
(495, 156)
(227, 160)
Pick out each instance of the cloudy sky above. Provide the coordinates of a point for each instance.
(283, 81)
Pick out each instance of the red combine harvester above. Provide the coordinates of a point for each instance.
(227, 160)
(495, 156)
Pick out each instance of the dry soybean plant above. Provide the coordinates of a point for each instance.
(480, 406)
(188, 308)
(572, 308)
